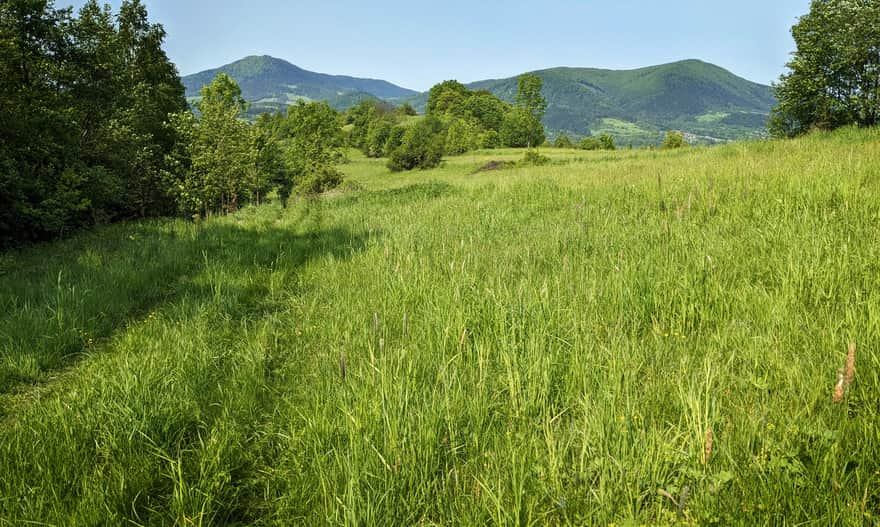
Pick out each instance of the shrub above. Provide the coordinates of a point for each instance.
(590, 143)
(490, 139)
(319, 180)
(563, 142)
(521, 129)
(606, 142)
(673, 139)
(395, 138)
(421, 147)
(533, 158)
(461, 137)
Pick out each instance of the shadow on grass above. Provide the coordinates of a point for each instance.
(64, 300)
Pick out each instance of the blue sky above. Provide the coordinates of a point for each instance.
(417, 44)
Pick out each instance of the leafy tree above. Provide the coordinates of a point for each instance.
(606, 142)
(521, 129)
(406, 109)
(83, 102)
(377, 136)
(314, 148)
(486, 109)
(395, 139)
(490, 139)
(421, 147)
(834, 75)
(673, 139)
(462, 136)
(530, 101)
(563, 142)
(590, 143)
(446, 96)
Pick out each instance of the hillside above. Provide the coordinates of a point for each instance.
(636, 106)
(554, 345)
(639, 105)
(270, 84)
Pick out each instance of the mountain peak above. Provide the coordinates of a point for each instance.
(271, 84)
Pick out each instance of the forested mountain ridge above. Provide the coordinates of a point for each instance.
(270, 84)
(639, 105)
(635, 106)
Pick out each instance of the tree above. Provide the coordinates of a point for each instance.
(446, 96)
(834, 75)
(313, 150)
(521, 129)
(83, 101)
(406, 110)
(606, 142)
(530, 101)
(377, 135)
(421, 147)
(673, 140)
(563, 142)
(462, 136)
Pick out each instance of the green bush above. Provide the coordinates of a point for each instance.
(490, 139)
(461, 137)
(421, 147)
(563, 142)
(533, 158)
(606, 142)
(673, 139)
(590, 143)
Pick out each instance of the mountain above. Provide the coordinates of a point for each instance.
(271, 84)
(638, 105)
(707, 102)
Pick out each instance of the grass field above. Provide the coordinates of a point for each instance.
(617, 338)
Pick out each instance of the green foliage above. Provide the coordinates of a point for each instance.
(222, 95)
(472, 118)
(533, 158)
(378, 133)
(527, 114)
(529, 97)
(833, 77)
(421, 147)
(563, 142)
(590, 143)
(406, 110)
(83, 101)
(606, 142)
(314, 147)
(371, 121)
(445, 97)
(395, 139)
(673, 139)
(462, 135)
(520, 129)
(490, 139)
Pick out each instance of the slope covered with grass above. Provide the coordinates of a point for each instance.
(618, 338)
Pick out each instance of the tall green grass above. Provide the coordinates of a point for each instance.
(530, 346)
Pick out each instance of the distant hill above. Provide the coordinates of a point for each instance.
(271, 84)
(637, 106)
(708, 103)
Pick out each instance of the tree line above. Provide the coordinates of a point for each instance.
(456, 120)
(95, 128)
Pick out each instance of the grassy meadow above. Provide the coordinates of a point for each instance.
(616, 338)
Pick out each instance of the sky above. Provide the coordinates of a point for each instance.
(416, 44)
